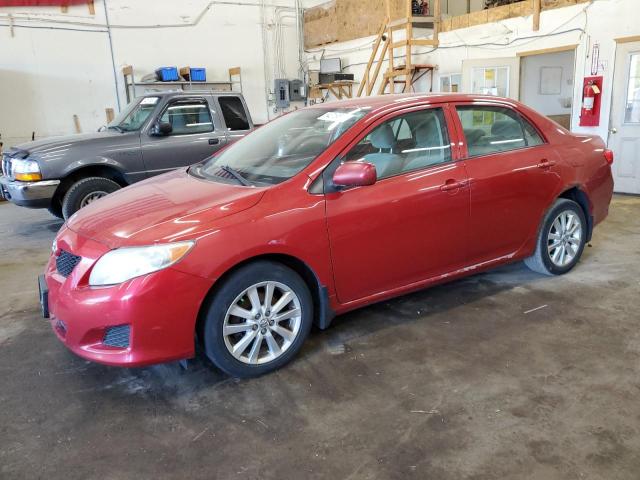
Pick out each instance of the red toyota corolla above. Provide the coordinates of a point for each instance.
(321, 211)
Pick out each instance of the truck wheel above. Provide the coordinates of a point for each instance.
(55, 209)
(86, 191)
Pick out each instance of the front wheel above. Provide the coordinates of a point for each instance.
(258, 320)
(85, 192)
(561, 239)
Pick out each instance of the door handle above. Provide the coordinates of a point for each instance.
(546, 163)
(451, 184)
(214, 141)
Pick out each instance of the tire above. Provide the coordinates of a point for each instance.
(55, 209)
(249, 335)
(80, 192)
(550, 260)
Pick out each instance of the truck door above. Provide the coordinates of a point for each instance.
(235, 116)
(195, 133)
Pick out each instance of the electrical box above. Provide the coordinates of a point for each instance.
(281, 87)
(297, 91)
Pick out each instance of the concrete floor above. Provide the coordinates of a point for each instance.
(503, 375)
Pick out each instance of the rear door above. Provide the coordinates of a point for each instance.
(512, 178)
(412, 223)
(196, 134)
(235, 116)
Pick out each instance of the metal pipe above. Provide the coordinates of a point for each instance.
(113, 58)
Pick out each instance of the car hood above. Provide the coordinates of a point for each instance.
(162, 209)
(46, 145)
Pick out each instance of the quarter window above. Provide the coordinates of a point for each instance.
(188, 117)
(495, 129)
(408, 142)
(234, 113)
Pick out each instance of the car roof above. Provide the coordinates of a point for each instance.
(190, 93)
(385, 102)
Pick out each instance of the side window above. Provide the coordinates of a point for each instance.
(495, 129)
(408, 142)
(192, 116)
(234, 113)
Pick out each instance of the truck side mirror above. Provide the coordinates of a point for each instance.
(162, 129)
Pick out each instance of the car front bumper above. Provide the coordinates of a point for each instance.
(29, 194)
(146, 320)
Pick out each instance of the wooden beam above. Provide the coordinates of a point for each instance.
(76, 123)
(634, 38)
(110, 114)
(377, 70)
(424, 41)
(374, 52)
(536, 15)
(542, 51)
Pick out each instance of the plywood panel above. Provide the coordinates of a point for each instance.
(477, 18)
(320, 25)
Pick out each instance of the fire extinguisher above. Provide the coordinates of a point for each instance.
(589, 97)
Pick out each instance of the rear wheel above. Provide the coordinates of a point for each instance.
(258, 320)
(85, 192)
(561, 239)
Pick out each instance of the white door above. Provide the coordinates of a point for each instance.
(624, 138)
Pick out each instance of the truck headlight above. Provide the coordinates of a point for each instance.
(26, 170)
(123, 264)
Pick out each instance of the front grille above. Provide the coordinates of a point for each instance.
(6, 167)
(117, 336)
(66, 262)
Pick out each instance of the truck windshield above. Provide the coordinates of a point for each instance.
(134, 115)
(282, 148)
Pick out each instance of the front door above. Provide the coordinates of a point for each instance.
(411, 224)
(625, 119)
(194, 136)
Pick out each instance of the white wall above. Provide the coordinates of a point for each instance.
(600, 21)
(49, 71)
(530, 76)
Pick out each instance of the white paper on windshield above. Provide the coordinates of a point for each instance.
(149, 101)
(335, 116)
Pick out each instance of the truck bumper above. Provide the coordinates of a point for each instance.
(29, 194)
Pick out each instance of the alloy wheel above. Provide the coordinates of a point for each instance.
(262, 323)
(565, 238)
(92, 197)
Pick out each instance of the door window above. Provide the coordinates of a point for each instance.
(187, 117)
(491, 81)
(495, 129)
(632, 107)
(234, 113)
(408, 142)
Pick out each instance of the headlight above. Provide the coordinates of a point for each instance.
(123, 264)
(26, 170)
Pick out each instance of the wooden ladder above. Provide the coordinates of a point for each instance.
(408, 73)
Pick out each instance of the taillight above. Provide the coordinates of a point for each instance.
(608, 156)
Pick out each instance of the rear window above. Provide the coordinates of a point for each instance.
(234, 113)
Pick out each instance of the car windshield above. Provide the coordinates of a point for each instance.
(134, 115)
(280, 149)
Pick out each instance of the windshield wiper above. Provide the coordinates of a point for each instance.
(117, 128)
(237, 175)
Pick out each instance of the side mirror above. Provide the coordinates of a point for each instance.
(355, 174)
(162, 129)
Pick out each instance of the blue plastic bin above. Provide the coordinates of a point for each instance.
(198, 74)
(167, 74)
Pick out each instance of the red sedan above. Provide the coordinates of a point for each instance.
(321, 211)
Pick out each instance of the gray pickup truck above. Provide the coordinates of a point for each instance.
(154, 134)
